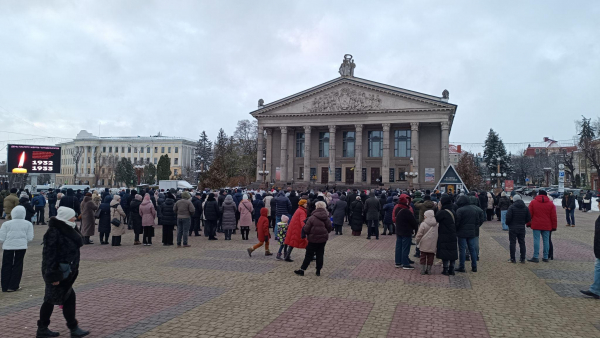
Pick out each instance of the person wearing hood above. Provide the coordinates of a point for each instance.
(446, 245)
(468, 220)
(293, 237)
(356, 216)
(125, 202)
(159, 202)
(317, 229)
(212, 215)
(338, 211)
(245, 210)
(490, 206)
(568, 203)
(257, 205)
(104, 220)
(294, 199)
(372, 209)
(10, 202)
(39, 203)
(543, 222)
(29, 211)
(117, 216)
(503, 205)
(228, 212)
(70, 201)
(271, 215)
(184, 210)
(388, 223)
(14, 236)
(262, 228)
(148, 214)
(168, 219)
(88, 219)
(135, 218)
(96, 198)
(517, 216)
(426, 239)
(105, 193)
(406, 226)
(195, 228)
(282, 228)
(283, 206)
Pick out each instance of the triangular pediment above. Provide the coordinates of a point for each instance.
(352, 95)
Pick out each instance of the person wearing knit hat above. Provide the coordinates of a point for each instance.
(262, 229)
(184, 210)
(516, 217)
(293, 237)
(406, 226)
(282, 228)
(426, 239)
(62, 244)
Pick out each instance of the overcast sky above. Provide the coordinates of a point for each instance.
(528, 70)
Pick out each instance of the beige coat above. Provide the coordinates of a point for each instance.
(427, 235)
(119, 214)
(88, 220)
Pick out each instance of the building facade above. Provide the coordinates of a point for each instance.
(98, 156)
(354, 132)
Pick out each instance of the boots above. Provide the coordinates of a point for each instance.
(445, 271)
(451, 271)
(77, 332)
(423, 269)
(428, 270)
(250, 251)
(278, 256)
(268, 253)
(44, 332)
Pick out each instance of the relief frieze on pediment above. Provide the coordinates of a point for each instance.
(343, 99)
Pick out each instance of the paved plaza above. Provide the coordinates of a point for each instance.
(213, 289)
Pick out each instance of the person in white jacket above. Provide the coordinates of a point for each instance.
(14, 236)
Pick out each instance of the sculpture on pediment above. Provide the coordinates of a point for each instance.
(344, 99)
(445, 94)
(261, 102)
(348, 65)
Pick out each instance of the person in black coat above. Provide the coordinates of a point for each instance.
(212, 215)
(125, 202)
(168, 219)
(446, 245)
(406, 226)
(136, 218)
(62, 243)
(104, 220)
(195, 228)
(356, 216)
(52, 198)
(294, 199)
(469, 218)
(594, 290)
(29, 211)
(516, 217)
(70, 201)
(338, 212)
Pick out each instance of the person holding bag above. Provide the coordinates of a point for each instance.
(117, 220)
(14, 236)
(60, 268)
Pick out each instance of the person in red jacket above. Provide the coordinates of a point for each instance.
(543, 221)
(293, 238)
(262, 227)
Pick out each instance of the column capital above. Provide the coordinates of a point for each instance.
(332, 128)
(386, 126)
(414, 126)
(307, 129)
(359, 127)
(283, 130)
(269, 131)
(445, 125)
(260, 128)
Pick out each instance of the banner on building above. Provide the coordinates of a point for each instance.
(429, 175)
(509, 185)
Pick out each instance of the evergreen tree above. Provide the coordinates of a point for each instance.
(163, 170)
(494, 149)
(149, 174)
(588, 143)
(125, 172)
(204, 152)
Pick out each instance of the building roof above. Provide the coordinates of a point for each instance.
(86, 136)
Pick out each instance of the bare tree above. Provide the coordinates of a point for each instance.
(76, 153)
(110, 163)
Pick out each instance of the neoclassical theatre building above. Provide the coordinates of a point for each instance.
(352, 132)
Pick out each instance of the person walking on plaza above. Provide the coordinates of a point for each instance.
(39, 203)
(117, 220)
(469, 218)
(317, 229)
(338, 212)
(282, 228)
(135, 218)
(293, 237)
(184, 210)
(245, 210)
(587, 201)
(14, 236)
(516, 217)
(406, 226)
(568, 203)
(356, 216)
(60, 268)
(228, 211)
(426, 239)
(88, 219)
(148, 214)
(594, 290)
(168, 219)
(372, 208)
(262, 228)
(446, 245)
(503, 205)
(10, 202)
(543, 221)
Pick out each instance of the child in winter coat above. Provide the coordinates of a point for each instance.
(263, 233)
(280, 236)
(426, 238)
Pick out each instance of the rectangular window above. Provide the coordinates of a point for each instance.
(176, 161)
(89, 160)
(155, 150)
(176, 150)
(348, 143)
(110, 149)
(169, 150)
(155, 160)
(401, 174)
(129, 150)
(301, 173)
(375, 143)
(135, 150)
(102, 170)
(148, 150)
(402, 143)
(324, 144)
(103, 149)
(141, 150)
(88, 171)
(175, 172)
(299, 144)
(148, 160)
(162, 150)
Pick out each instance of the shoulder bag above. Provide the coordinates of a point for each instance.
(115, 221)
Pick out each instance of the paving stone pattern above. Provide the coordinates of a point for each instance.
(213, 289)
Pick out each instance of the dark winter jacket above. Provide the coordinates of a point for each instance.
(52, 198)
(518, 215)
(372, 208)
(211, 209)
(503, 203)
(24, 201)
(468, 218)
(424, 206)
(597, 238)
(446, 245)
(356, 216)
(136, 218)
(70, 201)
(257, 205)
(406, 224)
(388, 208)
(318, 226)
(338, 211)
(197, 207)
(168, 216)
(104, 220)
(483, 200)
(221, 199)
(237, 198)
(294, 199)
(283, 206)
(569, 201)
(39, 201)
(105, 193)
(61, 245)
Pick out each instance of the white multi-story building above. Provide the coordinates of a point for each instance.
(98, 156)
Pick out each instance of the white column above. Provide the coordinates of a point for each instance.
(414, 150)
(358, 155)
(270, 153)
(445, 146)
(291, 153)
(259, 153)
(331, 154)
(85, 163)
(283, 160)
(152, 153)
(307, 135)
(94, 164)
(385, 160)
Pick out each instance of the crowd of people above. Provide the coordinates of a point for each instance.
(442, 226)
